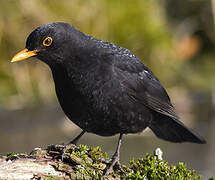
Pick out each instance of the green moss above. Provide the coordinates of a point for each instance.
(151, 167)
(212, 178)
(48, 177)
(38, 153)
(12, 155)
(97, 154)
(89, 163)
(85, 162)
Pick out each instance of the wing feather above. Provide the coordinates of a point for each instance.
(144, 87)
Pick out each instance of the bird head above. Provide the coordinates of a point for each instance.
(51, 43)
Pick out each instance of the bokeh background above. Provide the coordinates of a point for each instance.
(175, 39)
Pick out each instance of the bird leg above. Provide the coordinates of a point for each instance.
(115, 158)
(74, 141)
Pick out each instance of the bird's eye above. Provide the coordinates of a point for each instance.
(47, 41)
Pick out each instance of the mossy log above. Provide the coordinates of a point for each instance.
(83, 162)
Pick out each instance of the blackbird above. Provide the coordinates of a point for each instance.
(103, 88)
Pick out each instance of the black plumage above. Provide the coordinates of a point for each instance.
(103, 88)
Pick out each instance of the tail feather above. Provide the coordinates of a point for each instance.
(173, 130)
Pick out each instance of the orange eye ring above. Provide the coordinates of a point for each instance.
(47, 41)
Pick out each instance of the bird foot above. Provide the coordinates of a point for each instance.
(118, 165)
(66, 147)
(71, 143)
(114, 162)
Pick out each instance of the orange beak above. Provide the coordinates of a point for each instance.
(24, 54)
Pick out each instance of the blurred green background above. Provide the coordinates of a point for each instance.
(175, 39)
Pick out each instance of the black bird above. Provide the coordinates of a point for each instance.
(103, 88)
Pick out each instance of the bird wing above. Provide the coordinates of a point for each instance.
(142, 86)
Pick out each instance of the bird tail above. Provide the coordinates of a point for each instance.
(173, 130)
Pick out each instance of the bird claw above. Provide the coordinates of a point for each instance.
(114, 162)
(66, 147)
(72, 143)
(118, 165)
